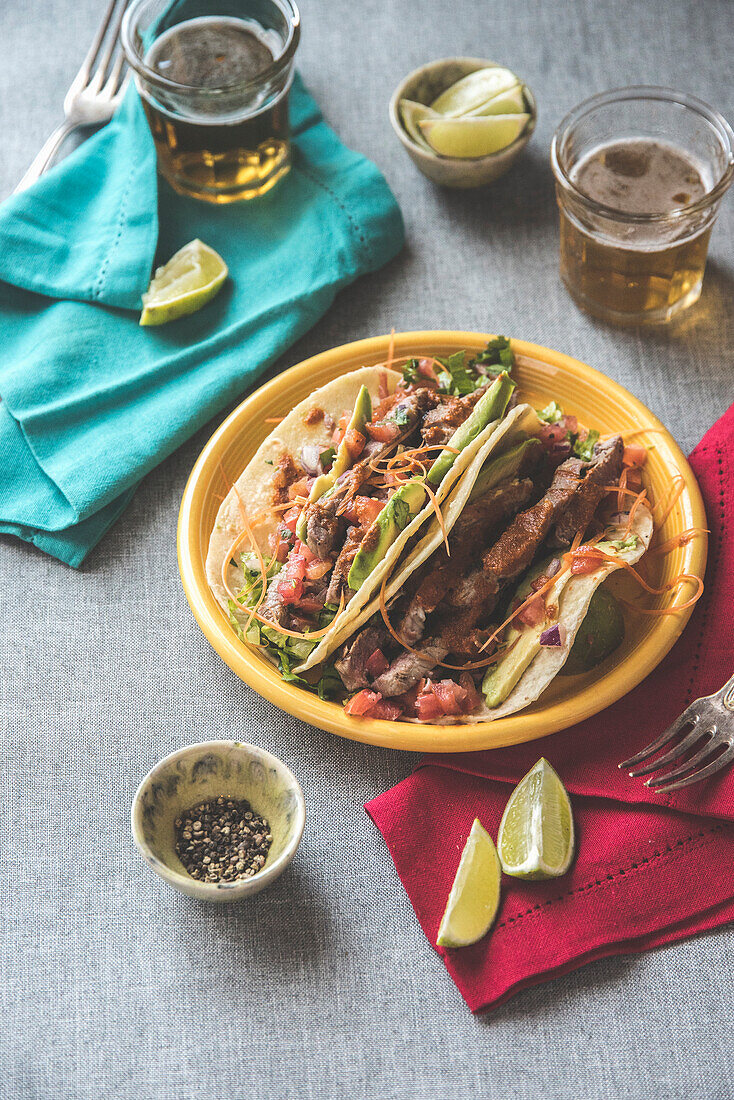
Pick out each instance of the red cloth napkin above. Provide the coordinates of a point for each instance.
(650, 868)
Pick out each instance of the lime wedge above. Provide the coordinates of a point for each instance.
(187, 282)
(475, 895)
(511, 102)
(472, 137)
(473, 90)
(412, 113)
(536, 832)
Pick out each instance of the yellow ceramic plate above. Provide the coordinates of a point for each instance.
(542, 376)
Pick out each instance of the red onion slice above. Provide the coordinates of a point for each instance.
(554, 636)
(311, 459)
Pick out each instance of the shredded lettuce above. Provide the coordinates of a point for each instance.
(551, 414)
(630, 543)
(584, 448)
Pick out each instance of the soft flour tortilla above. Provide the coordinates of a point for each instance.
(254, 489)
(573, 605)
(518, 424)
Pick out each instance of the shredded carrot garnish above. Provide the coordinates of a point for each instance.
(565, 566)
(679, 540)
(676, 488)
(439, 517)
(622, 488)
(676, 607)
(640, 500)
(273, 419)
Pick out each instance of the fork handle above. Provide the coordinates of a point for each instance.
(46, 154)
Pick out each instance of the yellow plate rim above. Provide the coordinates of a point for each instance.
(515, 729)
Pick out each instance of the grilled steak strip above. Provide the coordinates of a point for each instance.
(407, 669)
(351, 664)
(604, 469)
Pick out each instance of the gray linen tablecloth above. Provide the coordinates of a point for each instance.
(113, 985)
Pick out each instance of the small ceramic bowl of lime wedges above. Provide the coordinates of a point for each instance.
(463, 120)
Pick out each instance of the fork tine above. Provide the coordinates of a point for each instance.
(86, 66)
(674, 753)
(686, 766)
(710, 769)
(103, 66)
(667, 735)
(114, 81)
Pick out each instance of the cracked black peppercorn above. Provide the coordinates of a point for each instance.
(223, 840)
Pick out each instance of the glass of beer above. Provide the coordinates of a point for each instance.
(214, 78)
(640, 174)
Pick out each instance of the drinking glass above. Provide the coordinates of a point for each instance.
(214, 78)
(634, 255)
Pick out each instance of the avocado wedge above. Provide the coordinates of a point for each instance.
(490, 406)
(498, 469)
(361, 415)
(523, 645)
(394, 518)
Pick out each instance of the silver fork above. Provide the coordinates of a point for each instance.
(711, 717)
(93, 96)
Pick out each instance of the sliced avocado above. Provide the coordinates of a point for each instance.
(501, 678)
(500, 468)
(490, 406)
(394, 518)
(601, 632)
(361, 415)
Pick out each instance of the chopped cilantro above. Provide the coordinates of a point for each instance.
(326, 458)
(457, 379)
(410, 371)
(400, 416)
(498, 353)
(584, 448)
(268, 462)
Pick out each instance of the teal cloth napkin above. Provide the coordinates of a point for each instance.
(90, 401)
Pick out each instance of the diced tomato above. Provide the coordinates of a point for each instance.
(290, 591)
(377, 662)
(370, 704)
(533, 613)
(447, 693)
(384, 431)
(473, 698)
(408, 698)
(552, 433)
(634, 455)
(354, 442)
(585, 560)
(362, 701)
(290, 519)
(363, 511)
(539, 582)
(427, 706)
(340, 429)
(389, 710)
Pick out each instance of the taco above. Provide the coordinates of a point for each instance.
(477, 629)
(341, 490)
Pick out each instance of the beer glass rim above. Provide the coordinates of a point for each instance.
(137, 63)
(713, 118)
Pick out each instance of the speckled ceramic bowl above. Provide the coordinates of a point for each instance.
(424, 85)
(200, 772)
